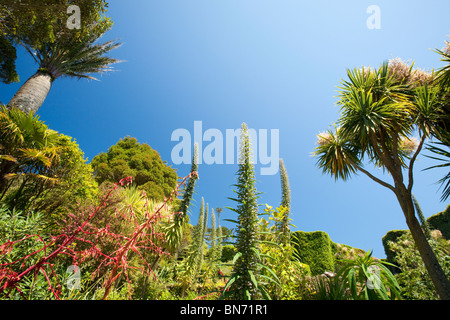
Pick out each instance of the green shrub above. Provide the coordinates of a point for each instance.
(441, 222)
(315, 250)
(391, 236)
(129, 158)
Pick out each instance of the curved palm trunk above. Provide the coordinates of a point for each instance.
(33, 92)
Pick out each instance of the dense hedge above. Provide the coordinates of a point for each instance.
(441, 221)
(315, 250)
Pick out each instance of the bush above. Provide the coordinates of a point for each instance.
(414, 280)
(441, 222)
(315, 250)
(128, 158)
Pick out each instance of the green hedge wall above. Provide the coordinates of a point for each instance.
(441, 221)
(315, 250)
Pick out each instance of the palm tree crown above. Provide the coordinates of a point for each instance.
(67, 56)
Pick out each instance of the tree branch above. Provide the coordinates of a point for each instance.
(384, 184)
(411, 163)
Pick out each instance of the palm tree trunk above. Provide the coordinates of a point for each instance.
(33, 92)
(437, 274)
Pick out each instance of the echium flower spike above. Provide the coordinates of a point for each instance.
(245, 268)
(285, 201)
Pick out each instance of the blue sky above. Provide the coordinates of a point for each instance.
(271, 64)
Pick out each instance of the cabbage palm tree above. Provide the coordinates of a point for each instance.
(66, 57)
(380, 110)
(441, 130)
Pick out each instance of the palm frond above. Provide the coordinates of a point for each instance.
(445, 181)
(337, 155)
(78, 58)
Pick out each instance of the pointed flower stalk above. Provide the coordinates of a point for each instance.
(243, 284)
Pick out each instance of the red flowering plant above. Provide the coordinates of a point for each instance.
(92, 238)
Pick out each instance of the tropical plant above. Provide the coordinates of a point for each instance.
(192, 264)
(66, 57)
(129, 158)
(280, 257)
(41, 170)
(27, 149)
(369, 279)
(422, 219)
(26, 22)
(413, 279)
(380, 110)
(442, 150)
(175, 228)
(285, 202)
(441, 128)
(246, 281)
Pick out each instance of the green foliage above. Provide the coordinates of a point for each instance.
(8, 56)
(175, 228)
(191, 265)
(413, 278)
(128, 158)
(285, 202)
(391, 236)
(441, 222)
(280, 258)
(228, 252)
(26, 148)
(40, 169)
(243, 284)
(24, 22)
(422, 220)
(441, 150)
(315, 250)
(369, 279)
(15, 226)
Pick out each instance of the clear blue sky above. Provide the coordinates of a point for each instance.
(271, 64)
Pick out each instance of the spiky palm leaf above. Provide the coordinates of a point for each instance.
(75, 58)
(336, 155)
(27, 146)
(443, 76)
(445, 181)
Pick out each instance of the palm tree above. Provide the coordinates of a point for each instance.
(380, 110)
(67, 56)
(27, 149)
(441, 129)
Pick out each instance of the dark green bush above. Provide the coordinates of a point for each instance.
(441, 221)
(314, 249)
